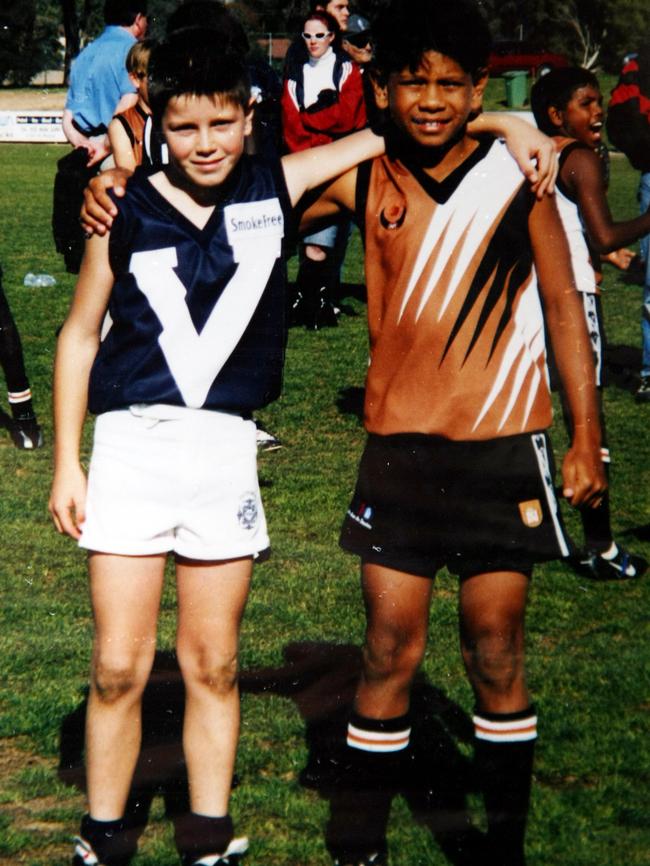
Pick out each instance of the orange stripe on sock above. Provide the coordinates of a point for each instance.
(369, 743)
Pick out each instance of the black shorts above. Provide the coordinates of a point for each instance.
(422, 502)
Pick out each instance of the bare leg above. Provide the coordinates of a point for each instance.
(125, 594)
(397, 611)
(211, 601)
(377, 757)
(492, 610)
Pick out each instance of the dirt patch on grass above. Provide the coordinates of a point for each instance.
(25, 98)
(30, 818)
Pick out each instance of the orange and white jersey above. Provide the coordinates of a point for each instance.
(456, 327)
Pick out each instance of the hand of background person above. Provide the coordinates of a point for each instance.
(621, 259)
(98, 149)
(98, 209)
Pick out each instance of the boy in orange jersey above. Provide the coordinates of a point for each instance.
(126, 130)
(457, 470)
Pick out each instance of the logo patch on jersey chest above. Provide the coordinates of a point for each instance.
(253, 220)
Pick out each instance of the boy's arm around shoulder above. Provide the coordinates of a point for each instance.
(76, 350)
(582, 469)
(98, 209)
(534, 152)
(309, 169)
(582, 173)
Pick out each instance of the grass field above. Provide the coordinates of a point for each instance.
(589, 656)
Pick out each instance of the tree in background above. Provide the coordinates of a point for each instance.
(590, 32)
(593, 33)
(28, 39)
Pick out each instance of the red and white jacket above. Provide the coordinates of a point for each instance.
(339, 107)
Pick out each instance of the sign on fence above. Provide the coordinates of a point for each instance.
(32, 126)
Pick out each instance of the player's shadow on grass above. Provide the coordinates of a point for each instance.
(6, 421)
(320, 679)
(350, 401)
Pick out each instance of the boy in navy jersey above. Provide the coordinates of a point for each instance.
(457, 470)
(193, 278)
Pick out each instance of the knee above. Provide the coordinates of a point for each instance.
(494, 656)
(392, 654)
(202, 667)
(114, 678)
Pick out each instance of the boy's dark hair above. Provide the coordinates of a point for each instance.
(187, 63)
(213, 14)
(556, 89)
(407, 29)
(122, 13)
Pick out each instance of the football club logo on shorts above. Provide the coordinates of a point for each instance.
(248, 512)
(531, 512)
(362, 514)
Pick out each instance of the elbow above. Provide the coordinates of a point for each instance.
(604, 242)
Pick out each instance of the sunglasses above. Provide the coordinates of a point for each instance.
(359, 40)
(317, 36)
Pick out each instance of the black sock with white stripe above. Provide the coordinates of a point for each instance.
(379, 736)
(21, 404)
(504, 745)
(375, 765)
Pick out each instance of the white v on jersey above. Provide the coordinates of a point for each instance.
(198, 314)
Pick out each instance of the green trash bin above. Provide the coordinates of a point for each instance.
(516, 88)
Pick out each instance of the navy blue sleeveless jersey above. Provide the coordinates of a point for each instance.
(198, 314)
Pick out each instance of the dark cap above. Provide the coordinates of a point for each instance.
(357, 24)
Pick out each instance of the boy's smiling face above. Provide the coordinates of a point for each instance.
(433, 103)
(205, 136)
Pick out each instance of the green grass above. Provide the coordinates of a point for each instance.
(588, 647)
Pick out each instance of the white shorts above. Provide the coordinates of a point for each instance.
(167, 478)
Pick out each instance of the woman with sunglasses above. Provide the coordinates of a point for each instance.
(322, 100)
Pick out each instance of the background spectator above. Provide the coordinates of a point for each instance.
(24, 429)
(356, 40)
(628, 127)
(126, 129)
(322, 100)
(99, 83)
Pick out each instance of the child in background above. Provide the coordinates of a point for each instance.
(568, 105)
(24, 428)
(126, 130)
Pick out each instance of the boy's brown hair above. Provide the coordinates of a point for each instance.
(137, 60)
